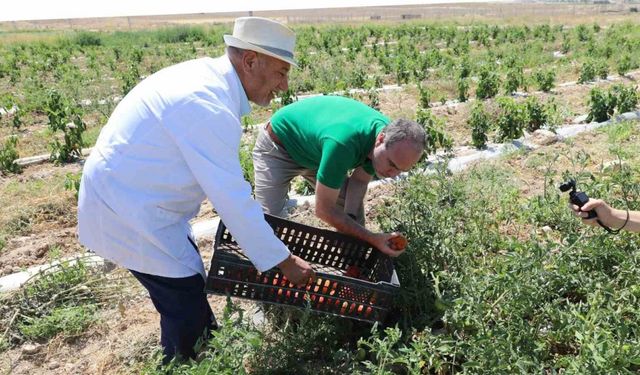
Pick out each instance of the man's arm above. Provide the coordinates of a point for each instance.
(611, 217)
(356, 190)
(328, 211)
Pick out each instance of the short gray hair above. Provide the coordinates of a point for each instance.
(236, 54)
(401, 130)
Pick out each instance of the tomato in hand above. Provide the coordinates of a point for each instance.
(398, 242)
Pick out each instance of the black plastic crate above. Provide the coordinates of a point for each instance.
(367, 297)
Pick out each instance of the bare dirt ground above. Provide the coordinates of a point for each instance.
(49, 229)
(41, 217)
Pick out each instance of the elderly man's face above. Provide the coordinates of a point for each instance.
(267, 77)
(395, 159)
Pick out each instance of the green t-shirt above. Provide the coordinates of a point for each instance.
(330, 134)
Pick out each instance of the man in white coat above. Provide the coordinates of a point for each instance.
(169, 144)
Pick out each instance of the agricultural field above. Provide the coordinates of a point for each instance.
(499, 276)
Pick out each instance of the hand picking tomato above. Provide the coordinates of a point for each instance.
(398, 242)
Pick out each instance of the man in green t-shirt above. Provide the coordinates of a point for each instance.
(324, 138)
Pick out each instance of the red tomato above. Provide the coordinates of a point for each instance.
(398, 242)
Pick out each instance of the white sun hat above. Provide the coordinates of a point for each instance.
(264, 36)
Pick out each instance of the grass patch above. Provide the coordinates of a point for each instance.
(27, 203)
(24, 221)
(620, 132)
(90, 136)
(55, 252)
(4, 345)
(68, 321)
(63, 300)
(19, 224)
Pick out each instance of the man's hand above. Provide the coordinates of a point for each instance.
(385, 242)
(297, 270)
(602, 209)
(613, 218)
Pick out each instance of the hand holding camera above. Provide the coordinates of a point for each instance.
(578, 198)
(582, 204)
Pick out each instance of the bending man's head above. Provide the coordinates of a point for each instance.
(398, 147)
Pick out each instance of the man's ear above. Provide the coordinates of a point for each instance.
(380, 139)
(249, 60)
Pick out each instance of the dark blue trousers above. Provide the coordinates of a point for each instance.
(185, 314)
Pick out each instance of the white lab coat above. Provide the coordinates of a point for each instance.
(171, 142)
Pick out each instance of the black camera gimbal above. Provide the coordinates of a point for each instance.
(578, 198)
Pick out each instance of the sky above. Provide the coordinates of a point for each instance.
(47, 9)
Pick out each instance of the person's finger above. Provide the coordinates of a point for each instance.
(398, 252)
(305, 281)
(311, 277)
(586, 218)
(391, 252)
(591, 204)
(301, 281)
(591, 222)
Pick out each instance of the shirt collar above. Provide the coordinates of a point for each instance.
(245, 107)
